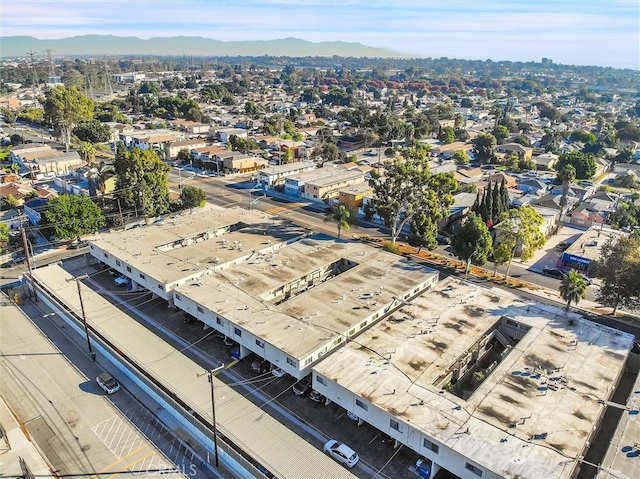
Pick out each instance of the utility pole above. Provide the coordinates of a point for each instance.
(25, 247)
(210, 375)
(120, 212)
(84, 316)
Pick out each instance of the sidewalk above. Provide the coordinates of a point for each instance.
(16, 446)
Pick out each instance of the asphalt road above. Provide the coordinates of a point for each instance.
(78, 428)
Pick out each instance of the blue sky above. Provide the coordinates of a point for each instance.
(582, 32)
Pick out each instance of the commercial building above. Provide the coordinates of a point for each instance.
(586, 248)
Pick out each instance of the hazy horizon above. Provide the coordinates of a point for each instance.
(579, 32)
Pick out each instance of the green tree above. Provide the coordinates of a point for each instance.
(423, 232)
(71, 216)
(500, 132)
(184, 156)
(93, 131)
(408, 188)
(484, 148)
(64, 108)
(461, 157)
(583, 136)
(142, 181)
(87, 152)
(4, 236)
(565, 175)
(286, 155)
(584, 163)
(618, 267)
(573, 288)
(341, 216)
(98, 176)
(520, 228)
(9, 115)
(501, 255)
(447, 135)
(192, 197)
(472, 240)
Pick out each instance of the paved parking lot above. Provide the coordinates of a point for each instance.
(313, 421)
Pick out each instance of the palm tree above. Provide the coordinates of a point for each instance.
(99, 176)
(573, 288)
(567, 174)
(341, 216)
(88, 152)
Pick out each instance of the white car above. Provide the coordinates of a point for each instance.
(108, 383)
(341, 453)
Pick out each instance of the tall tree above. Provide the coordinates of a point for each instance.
(423, 232)
(583, 163)
(192, 197)
(619, 267)
(573, 288)
(87, 152)
(71, 216)
(520, 228)
(142, 181)
(98, 175)
(501, 255)
(566, 176)
(407, 189)
(64, 108)
(484, 148)
(4, 236)
(341, 216)
(504, 195)
(472, 240)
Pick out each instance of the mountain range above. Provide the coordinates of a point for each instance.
(97, 45)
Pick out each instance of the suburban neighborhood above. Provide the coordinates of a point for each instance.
(371, 269)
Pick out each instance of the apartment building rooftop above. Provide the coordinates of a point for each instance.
(539, 399)
(308, 294)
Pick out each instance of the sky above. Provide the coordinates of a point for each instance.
(576, 32)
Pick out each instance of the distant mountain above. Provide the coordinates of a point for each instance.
(96, 45)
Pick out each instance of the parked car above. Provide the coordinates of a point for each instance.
(562, 246)
(585, 183)
(316, 396)
(108, 383)
(553, 272)
(302, 387)
(341, 453)
(14, 261)
(78, 245)
(279, 373)
(260, 365)
(423, 467)
(121, 280)
(352, 416)
(442, 239)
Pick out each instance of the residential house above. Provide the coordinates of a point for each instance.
(191, 128)
(523, 152)
(33, 209)
(352, 197)
(17, 191)
(472, 175)
(174, 147)
(225, 133)
(532, 186)
(294, 184)
(17, 152)
(596, 210)
(497, 178)
(581, 193)
(447, 151)
(545, 162)
(9, 102)
(458, 210)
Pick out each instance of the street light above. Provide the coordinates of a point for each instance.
(210, 375)
(252, 202)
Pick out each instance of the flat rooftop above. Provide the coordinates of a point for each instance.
(337, 176)
(589, 244)
(530, 417)
(232, 233)
(318, 315)
(623, 456)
